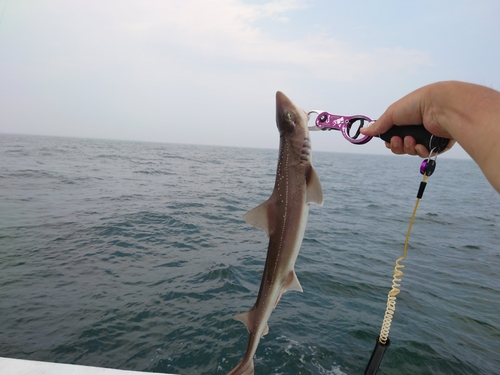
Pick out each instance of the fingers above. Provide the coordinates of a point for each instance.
(407, 146)
(410, 147)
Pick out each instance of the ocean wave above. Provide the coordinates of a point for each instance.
(135, 256)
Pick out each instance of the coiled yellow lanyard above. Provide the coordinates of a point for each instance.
(383, 342)
(391, 297)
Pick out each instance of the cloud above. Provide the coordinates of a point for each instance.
(145, 70)
(227, 31)
(146, 38)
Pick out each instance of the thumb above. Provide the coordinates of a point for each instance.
(380, 126)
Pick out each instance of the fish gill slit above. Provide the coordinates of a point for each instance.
(305, 155)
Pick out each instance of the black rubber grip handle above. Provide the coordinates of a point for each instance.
(419, 133)
(376, 357)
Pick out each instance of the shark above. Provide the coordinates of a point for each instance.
(283, 218)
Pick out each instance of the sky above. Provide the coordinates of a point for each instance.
(206, 71)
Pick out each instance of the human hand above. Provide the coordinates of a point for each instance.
(414, 108)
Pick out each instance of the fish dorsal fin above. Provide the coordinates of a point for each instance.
(259, 216)
(247, 319)
(314, 190)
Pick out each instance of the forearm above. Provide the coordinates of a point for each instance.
(464, 112)
(471, 115)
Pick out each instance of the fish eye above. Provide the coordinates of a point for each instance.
(290, 116)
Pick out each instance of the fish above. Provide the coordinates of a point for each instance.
(283, 218)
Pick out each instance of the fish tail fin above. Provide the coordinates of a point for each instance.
(245, 367)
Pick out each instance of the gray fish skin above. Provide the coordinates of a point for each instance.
(283, 217)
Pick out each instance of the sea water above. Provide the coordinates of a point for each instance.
(135, 256)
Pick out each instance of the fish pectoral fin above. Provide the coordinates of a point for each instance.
(259, 216)
(292, 283)
(314, 190)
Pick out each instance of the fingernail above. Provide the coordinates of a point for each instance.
(407, 144)
(395, 143)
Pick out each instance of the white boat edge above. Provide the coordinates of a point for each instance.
(10, 366)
